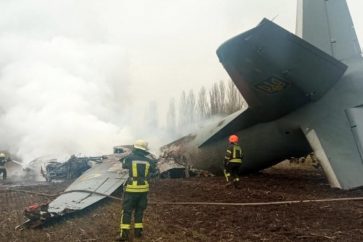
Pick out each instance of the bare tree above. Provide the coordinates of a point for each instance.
(171, 117)
(234, 100)
(202, 105)
(224, 99)
(190, 107)
(183, 114)
(217, 98)
(221, 100)
(213, 99)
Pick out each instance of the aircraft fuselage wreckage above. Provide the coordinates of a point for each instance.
(304, 94)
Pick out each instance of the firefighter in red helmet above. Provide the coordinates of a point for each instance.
(233, 161)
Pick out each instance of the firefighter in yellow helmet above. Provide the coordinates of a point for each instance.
(3, 160)
(141, 165)
(233, 161)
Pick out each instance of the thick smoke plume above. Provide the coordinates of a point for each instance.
(76, 76)
(63, 85)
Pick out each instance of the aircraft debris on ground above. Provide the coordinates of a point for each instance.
(72, 168)
(104, 178)
(98, 181)
(171, 167)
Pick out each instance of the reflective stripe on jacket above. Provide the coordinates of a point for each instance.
(139, 166)
(234, 154)
(138, 173)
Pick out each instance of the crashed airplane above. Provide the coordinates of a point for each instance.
(304, 94)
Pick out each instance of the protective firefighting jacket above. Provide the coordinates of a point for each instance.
(140, 165)
(233, 154)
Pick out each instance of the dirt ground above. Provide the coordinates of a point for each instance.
(334, 221)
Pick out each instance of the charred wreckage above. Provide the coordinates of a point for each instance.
(98, 178)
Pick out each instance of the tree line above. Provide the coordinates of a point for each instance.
(221, 99)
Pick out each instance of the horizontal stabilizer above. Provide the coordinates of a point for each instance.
(231, 124)
(276, 71)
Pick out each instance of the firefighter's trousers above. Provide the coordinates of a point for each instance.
(133, 201)
(3, 171)
(232, 170)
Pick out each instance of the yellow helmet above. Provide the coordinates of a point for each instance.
(141, 144)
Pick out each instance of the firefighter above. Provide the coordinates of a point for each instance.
(141, 164)
(233, 161)
(3, 160)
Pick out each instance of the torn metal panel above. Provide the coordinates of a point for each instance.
(103, 177)
(95, 184)
(70, 169)
(172, 164)
(165, 165)
(169, 168)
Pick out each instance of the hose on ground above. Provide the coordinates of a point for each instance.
(199, 203)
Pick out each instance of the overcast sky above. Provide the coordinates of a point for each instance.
(87, 68)
(178, 49)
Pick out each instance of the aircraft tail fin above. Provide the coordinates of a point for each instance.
(327, 24)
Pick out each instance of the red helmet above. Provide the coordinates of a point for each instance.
(233, 138)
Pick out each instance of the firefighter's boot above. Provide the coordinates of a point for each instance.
(124, 236)
(236, 183)
(138, 233)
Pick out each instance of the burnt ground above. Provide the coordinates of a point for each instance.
(333, 221)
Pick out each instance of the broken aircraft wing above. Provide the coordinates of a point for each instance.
(103, 177)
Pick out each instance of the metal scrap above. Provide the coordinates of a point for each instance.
(96, 183)
(70, 169)
(173, 164)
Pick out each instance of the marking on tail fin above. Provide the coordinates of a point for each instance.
(272, 85)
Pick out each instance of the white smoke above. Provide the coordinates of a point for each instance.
(75, 74)
(63, 89)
